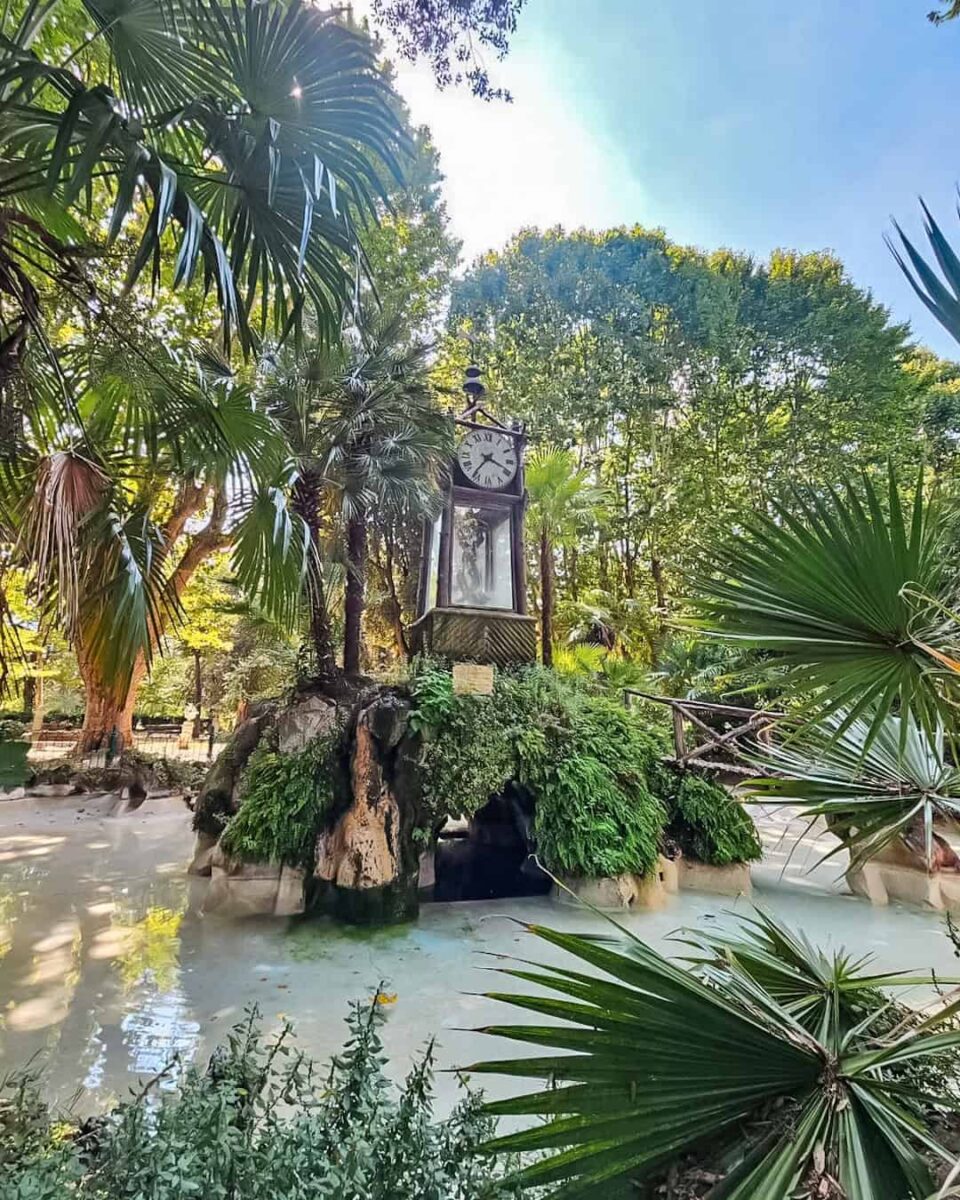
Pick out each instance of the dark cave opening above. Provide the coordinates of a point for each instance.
(492, 856)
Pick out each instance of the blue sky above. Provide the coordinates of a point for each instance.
(744, 123)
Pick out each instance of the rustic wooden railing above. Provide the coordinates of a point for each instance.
(714, 747)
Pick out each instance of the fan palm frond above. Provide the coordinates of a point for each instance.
(873, 780)
(843, 590)
(260, 135)
(644, 1063)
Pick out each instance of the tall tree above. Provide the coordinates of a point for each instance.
(693, 385)
(449, 35)
(562, 502)
(370, 442)
(169, 463)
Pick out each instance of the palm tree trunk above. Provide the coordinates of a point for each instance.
(659, 583)
(546, 598)
(394, 607)
(354, 593)
(306, 503)
(197, 690)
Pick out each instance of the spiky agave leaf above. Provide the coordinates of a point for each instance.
(651, 1063)
(820, 990)
(842, 590)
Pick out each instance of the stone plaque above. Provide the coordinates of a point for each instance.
(472, 679)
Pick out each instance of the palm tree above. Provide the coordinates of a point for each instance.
(848, 597)
(770, 1066)
(872, 783)
(562, 501)
(845, 591)
(113, 513)
(290, 396)
(370, 443)
(249, 137)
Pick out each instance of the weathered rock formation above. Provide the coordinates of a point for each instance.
(367, 861)
(367, 858)
(218, 799)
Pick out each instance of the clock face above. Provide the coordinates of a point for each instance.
(488, 458)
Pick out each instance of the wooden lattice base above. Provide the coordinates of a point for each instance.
(476, 635)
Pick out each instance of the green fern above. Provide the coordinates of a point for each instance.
(284, 798)
(710, 825)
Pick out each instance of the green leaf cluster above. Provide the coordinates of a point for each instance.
(602, 794)
(284, 798)
(707, 823)
(260, 1120)
(770, 1067)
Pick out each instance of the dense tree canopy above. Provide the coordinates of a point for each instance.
(692, 385)
(680, 389)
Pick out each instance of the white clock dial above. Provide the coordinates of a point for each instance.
(488, 458)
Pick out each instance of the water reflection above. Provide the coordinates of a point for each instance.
(91, 916)
(108, 969)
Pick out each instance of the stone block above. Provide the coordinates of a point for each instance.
(300, 724)
(289, 898)
(428, 869)
(203, 854)
(14, 793)
(880, 882)
(867, 881)
(670, 874)
(241, 896)
(48, 790)
(731, 880)
(615, 892)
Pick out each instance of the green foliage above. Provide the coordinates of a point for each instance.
(592, 766)
(940, 293)
(591, 821)
(284, 798)
(764, 1068)
(844, 591)
(264, 136)
(584, 759)
(12, 730)
(595, 814)
(14, 770)
(261, 1120)
(708, 824)
(466, 748)
(873, 782)
(694, 386)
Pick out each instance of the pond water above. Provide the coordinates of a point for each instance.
(108, 969)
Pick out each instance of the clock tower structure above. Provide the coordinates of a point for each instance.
(472, 599)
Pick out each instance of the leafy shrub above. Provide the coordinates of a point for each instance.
(466, 754)
(594, 768)
(583, 758)
(709, 824)
(260, 1121)
(283, 800)
(12, 730)
(590, 823)
(595, 813)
